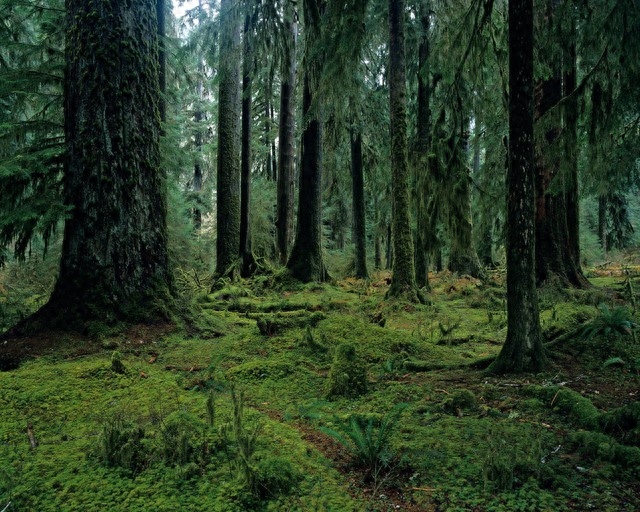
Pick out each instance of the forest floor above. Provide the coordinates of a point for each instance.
(251, 404)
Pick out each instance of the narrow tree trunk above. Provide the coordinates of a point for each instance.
(463, 258)
(248, 265)
(403, 280)
(377, 239)
(602, 222)
(286, 146)
(196, 211)
(523, 350)
(114, 263)
(162, 59)
(228, 191)
(359, 220)
(421, 160)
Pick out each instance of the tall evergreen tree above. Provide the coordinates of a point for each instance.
(248, 262)
(403, 279)
(522, 350)
(557, 222)
(359, 220)
(286, 136)
(306, 262)
(229, 104)
(114, 259)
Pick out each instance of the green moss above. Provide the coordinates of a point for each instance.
(597, 446)
(461, 400)
(573, 405)
(348, 374)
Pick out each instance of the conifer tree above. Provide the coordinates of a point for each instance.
(522, 350)
(306, 261)
(114, 262)
(229, 105)
(403, 279)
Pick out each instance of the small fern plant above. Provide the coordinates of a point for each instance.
(618, 320)
(368, 440)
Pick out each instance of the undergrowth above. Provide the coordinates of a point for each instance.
(254, 402)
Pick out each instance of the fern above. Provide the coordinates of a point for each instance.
(609, 320)
(367, 441)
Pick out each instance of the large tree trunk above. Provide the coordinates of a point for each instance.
(557, 243)
(305, 262)
(286, 147)
(522, 350)
(403, 279)
(114, 262)
(228, 191)
(359, 219)
(248, 264)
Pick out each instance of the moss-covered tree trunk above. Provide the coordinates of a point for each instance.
(403, 279)
(228, 171)
(114, 262)
(421, 160)
(161, 6)
(286, 144)
(463, 257)
(557, 245)
(306, 261)
(359, 220)
(248, 262)
(522, 350)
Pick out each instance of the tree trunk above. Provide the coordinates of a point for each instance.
(162, 59)
(463, 258)
(286, 147)
(403, 278)
(248, 265)
(602, 221)
(421, 160)
(522, 350)
(196, 211)
(359, 219)
(306, 262)
(557, 243)
(114, 263)
(228, 191)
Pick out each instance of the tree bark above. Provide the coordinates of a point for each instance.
(114, 263)
(248, 265)
(162, 58)
(228, 170)
(557, 243)
(306, 262)
(463, 257)
(286, 147)
(522, 350)
(359, 218)
(403, 278)
(421, 161)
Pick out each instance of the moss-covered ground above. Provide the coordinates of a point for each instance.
(238, 410)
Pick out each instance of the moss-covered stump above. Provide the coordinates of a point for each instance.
(270, 325)
(348, 374)
(461, 400)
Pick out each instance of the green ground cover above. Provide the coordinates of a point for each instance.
(259, 403)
